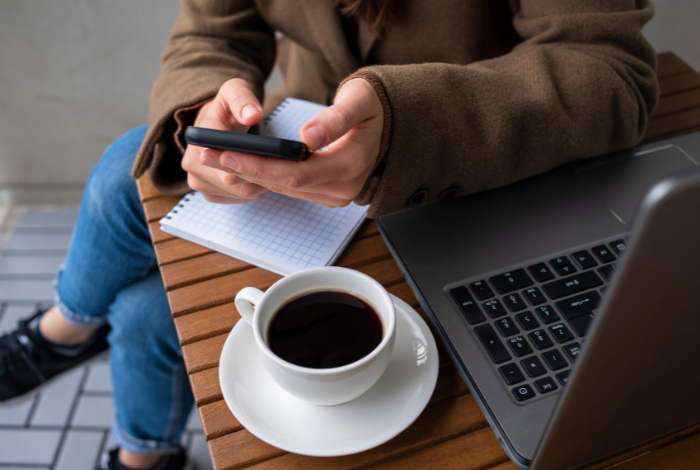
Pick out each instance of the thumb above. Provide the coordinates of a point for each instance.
(354, 104)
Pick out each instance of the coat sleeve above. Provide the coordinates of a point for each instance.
(211, 42)
(581, 83)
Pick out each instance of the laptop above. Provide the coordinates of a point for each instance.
(569, 301)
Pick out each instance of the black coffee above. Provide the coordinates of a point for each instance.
(321, 330)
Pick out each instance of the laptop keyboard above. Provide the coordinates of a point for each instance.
(534, 332)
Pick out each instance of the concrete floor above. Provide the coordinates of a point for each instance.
(65, 427)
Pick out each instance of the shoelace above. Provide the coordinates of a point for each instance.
(18, 345)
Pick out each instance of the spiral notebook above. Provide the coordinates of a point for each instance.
(277, 233)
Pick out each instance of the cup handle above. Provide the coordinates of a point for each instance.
(246, 300)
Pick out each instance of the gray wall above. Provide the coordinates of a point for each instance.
(75, 74)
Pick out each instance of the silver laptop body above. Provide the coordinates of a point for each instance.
(610, 252)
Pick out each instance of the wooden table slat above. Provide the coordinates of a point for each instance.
(443, 421)
(477, 450)
(679, 83)
(156, 209)
(673, 123)
(157, 235)
(172, 251)
(146, 189)
(217, 420)
(209, 265)
(670, 64)
(205, 386)
(678, 102)
(452, 432)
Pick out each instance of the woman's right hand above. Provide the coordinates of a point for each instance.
(235, 108)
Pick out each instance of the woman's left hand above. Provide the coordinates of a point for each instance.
(351, 129)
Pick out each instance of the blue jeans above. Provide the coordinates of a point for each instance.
(111, 275)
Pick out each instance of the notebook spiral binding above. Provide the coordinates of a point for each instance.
(173, 211)
(272, 114)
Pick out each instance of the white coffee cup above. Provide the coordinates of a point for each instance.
(320, 386)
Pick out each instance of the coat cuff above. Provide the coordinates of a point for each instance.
(372, 183)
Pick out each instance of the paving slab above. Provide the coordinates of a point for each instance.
(28, 446)
(38, 242)
(15, 415)
(12, 315)
(56, 400)
(99, 378)
(52, 218)
(95, 412)
(30, 265)
(28, 290)
(79, 450)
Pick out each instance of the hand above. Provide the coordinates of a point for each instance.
(235, 108)
(333, 177)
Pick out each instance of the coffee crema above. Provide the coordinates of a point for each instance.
(324, 329)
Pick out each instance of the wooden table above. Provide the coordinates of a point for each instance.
(452, 432)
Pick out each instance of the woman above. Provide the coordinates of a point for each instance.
(434, 99)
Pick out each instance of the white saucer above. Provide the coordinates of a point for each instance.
(284, 421)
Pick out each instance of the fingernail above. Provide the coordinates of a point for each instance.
(249, 110)
(207, 160)
(230, 162)
(315, 137)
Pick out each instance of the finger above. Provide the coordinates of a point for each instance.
(356, 102)
(241, 101)
(244, 192)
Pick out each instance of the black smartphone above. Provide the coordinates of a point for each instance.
(249, 143)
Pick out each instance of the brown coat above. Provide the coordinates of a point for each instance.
(481, 93)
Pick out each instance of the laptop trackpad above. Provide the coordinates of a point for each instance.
(622, 183)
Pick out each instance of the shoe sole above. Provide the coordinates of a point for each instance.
(35, 391)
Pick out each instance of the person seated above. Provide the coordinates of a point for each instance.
(429, 100)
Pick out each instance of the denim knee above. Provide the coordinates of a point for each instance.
(110, 182)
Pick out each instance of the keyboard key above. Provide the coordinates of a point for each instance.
(545, 385)
(508, 282)
(554, 360)
(579, 304)
(466, 303)
(519, 346)
(524, 392)
(527, 320)
(511, 374)
(581, 324)
(546, 314)
(561, 333)
(541, 272)
(540, 339)
(618, 246)
(583, 259)
(572, 351)
(494, 308)
(514, 302)
(603, 254)
(534, 296)
(563, 377)
(562, 266)
(488, 337)
(607, 271)
(506, 327)
(533, 366)
(572, 284)
(481, 290)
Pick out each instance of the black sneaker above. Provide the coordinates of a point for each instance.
(27, 363)
(177, 461)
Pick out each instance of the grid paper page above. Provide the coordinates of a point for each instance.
(278, 233)
(286, 120)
